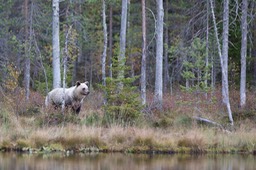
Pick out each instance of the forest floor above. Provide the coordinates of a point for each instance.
(174, 129)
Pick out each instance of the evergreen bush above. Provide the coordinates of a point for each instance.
(122, 103)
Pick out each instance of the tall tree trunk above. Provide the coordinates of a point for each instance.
(80, 44)
(243, 53)
(166, 63)
(130, 61)
(56, 45)
(65, 65)
(207, 44)
(91, 71)
(27, 53)
(121, 58)
(143, 79)
(158, 95)
(222, 58)
(110, 39)
(105, 34)
(104, 54)
(225, 49)
(253, 52)
(225, 58)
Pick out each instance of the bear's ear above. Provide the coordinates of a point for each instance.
(78, 83)
(87, 83)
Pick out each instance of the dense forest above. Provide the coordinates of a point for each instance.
(168, 76)
(164, 47)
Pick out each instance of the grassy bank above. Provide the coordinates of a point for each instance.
(28, 127)
(129, 139)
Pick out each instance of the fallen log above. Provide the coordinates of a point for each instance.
(207, 121)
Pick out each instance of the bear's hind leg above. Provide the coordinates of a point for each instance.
(78, 110)
(76, 107)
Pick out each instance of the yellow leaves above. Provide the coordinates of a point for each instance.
(14, 95)
(134, 56)
(72, 45)
(11, 82)
(73, 49)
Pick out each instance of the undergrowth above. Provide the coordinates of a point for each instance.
(172, 129)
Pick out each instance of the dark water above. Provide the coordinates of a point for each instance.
(118, 161)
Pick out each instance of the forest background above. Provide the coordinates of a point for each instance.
(180, 61)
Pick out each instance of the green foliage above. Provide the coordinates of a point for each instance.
(55, 118)
(122, 103)
(164, 121)
(4, 118)
(91, 119)
(182, 120)
(40, 83)
(196, 70)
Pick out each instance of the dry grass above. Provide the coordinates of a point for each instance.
(171, 130)
(132, 139)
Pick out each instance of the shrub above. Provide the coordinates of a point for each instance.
(122, 104)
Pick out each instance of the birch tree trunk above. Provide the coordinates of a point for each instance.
(110, 39)
(104, 54)
(225, 50)
(65, 64)
(144, 55)
(222, 57)
(27, 77)
(243, 53)
(158, 95)
(27, 53)
(56, 45)
(225, 58)
(121, 57)
(207, 44)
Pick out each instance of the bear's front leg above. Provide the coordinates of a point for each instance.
(78, 110)
(76, 107)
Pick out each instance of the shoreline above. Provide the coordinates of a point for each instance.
(148, 140)
(130, 139)
(132, 150)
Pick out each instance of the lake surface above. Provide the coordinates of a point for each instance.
(118, 161)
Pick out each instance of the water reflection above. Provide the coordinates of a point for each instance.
(118, 161)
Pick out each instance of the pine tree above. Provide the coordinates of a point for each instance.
(196, 69)
(122, 106)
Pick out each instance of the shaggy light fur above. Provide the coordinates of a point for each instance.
(73, 96)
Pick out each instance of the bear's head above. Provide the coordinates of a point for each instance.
(82, 88)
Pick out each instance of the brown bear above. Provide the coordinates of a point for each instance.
(73, 96)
